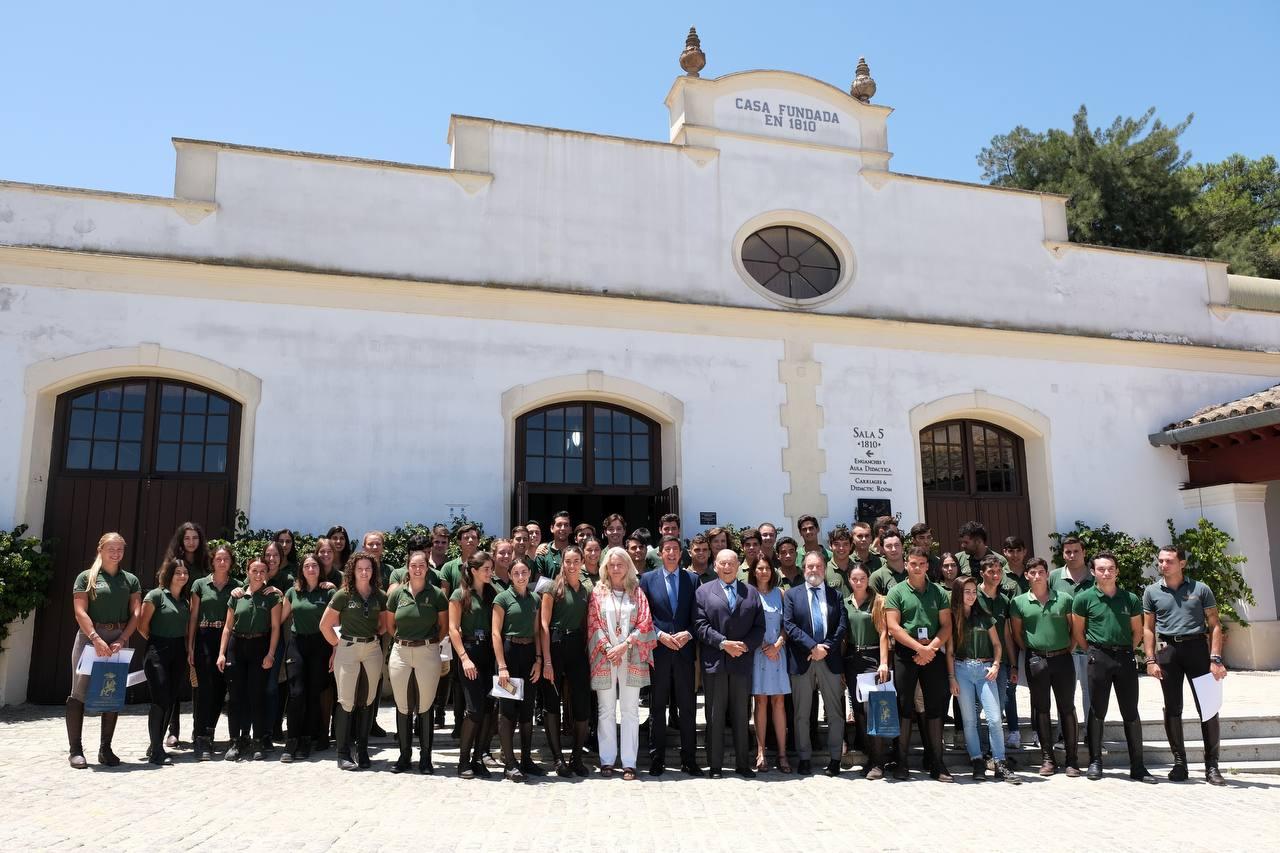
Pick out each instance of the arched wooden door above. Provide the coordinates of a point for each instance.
(974, 471)
(138, 456)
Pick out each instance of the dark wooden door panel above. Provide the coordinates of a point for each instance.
(1001, 516)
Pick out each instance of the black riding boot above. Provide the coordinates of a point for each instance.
(903, 770)
(1173, 730)
(577, 765)
(506, 735)
(404, 738)
(106, 757)
(426, 737)
(342, 737)
(1071, 742)
(527, 765)
(466, 737)
(156, 721)
(1137, 766)
(364, 727)
(75, 733)
(552, 724)
(939, 770)
(1094, 734)
(1212, 731)
(1044, 733)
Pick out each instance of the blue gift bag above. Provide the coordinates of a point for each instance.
(107, 683)
(882, 712)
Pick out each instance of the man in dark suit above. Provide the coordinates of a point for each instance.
(670, 592)
(815, 623)
(728, 620)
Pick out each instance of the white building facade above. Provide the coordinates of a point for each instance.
(562, 318)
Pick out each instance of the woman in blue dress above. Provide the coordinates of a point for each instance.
(770, 683)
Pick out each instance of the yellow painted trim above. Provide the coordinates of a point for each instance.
(1029, 424)
(596, 386)
(45, 380)
(93, 271)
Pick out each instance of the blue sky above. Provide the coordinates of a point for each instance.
(95, 91)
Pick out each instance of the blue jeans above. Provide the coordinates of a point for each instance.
(971, 678)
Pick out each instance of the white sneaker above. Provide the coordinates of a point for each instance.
(1014, 740)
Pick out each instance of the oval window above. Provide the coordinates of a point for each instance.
(791, 262)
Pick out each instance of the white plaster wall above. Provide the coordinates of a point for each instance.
(1102, 466)
(374, 419)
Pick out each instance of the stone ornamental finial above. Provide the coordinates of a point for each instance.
(863, 86)
(692, 59)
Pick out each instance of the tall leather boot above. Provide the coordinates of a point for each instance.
(939, 771)
(75, 733)
(404, 738)
(156, 723)
(1044, 732)
(1137, 766)
(364, 728)
(1212, 732)
(875, 758)
(552, 725)
(342, 737)
(1173, 730)
(926, 761)
(577, 765)
(902, 771)
(1071, 743)
(506, 735)
(426, 738)
(1093, 727)
(527, 765)
(466, 737)
(106, 757)
(487, 732)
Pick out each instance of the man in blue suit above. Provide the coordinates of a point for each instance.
(728, 620)
(815, 623)
(670, 592)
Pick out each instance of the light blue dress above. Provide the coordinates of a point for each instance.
(769, 677)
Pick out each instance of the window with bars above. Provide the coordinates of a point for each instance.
(970, 458)
(587, 445)
(192, 432)
(791, 262)
(104, 429)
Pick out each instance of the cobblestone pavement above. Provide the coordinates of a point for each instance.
(311, 806)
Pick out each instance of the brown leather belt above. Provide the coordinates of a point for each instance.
(1182, 638)
(359, 639)
(413, 643)
(520, 641)
(110, 626)
(252, 636)
(1052, 654)
(207, 624)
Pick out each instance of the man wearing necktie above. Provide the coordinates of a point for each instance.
(815, 623)
(670, 593)
(728, 620)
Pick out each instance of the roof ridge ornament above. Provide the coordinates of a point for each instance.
(863, 86)
(692, 59)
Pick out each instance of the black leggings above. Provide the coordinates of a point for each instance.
(166, 666)
(1058, 673)
(573, 675)
(932, 679)
(1189, 659)
(857, 663)
(308, 667)
(475, 691)
(520, 660)
(249, 683)
(1108, 668)
(212, 692)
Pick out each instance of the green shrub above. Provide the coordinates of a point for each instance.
(1209, 563)
(26, 570)
(1135, 557)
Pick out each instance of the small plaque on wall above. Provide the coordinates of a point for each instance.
(707, 518)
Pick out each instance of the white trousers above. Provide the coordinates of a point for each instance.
(607, 724)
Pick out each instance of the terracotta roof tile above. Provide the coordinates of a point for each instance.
(1261, 401)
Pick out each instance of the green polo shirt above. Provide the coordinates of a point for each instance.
(1107, 617)
(548, 565)
(307, 608)
(398, 576)
(451, 573)
(1179, 611)
(837, 579)
(873, 562)
(1044, 626)
(110, 601)
(885, 578)
(971, 566)
(862, 631)
(918, 609)
(1015, 585)
(334, 576)
(570, 612)
(977, 637)
(520, 612)
(170, 615)
(1060, 579)
(252, 612)
(476, 619)
(826, 554)
(417, 616)
(997, 608)
(213, 601)
(785, 582)
(358, 617)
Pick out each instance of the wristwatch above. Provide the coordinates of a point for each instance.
(1215, 659)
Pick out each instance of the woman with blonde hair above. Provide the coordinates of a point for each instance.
(166, 613)
(866, 650)
(620, 643)
(106, 601)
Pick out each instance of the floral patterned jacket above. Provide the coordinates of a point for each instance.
(644, 638)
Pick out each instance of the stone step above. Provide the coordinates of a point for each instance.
(1231, 727)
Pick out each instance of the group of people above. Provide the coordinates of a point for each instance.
(578, 627)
